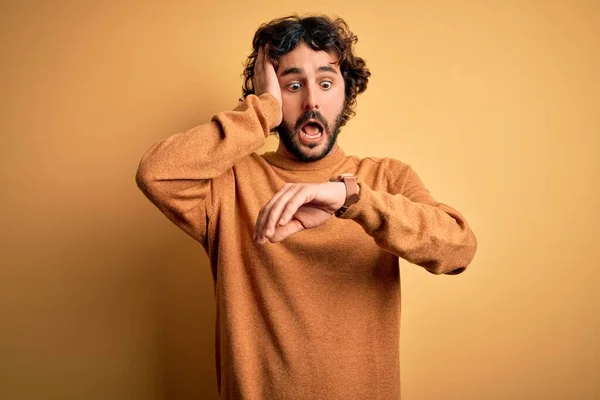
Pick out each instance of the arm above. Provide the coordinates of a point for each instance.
(415, 227)
(404, 219)
(175, 173)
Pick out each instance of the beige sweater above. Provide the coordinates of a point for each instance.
(317, 315)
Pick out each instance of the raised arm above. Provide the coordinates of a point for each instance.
(401, 216)
(176, 173)
(414, 226)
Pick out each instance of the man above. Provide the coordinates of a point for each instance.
(304, 241)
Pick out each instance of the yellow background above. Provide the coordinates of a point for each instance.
(494, 103)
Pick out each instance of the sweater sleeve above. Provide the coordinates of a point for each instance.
(409, 223)
(176, 173)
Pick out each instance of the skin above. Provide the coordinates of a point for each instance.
(310, 81)
(305, 80)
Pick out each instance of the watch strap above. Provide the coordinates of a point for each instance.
(351, 184)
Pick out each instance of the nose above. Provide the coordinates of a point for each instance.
(310, 100)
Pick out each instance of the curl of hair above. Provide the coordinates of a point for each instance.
(333, 36)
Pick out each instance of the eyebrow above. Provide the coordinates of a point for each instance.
(296, 70)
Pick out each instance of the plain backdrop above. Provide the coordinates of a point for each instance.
(495, 104)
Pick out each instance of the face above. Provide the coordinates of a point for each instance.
(313, 95)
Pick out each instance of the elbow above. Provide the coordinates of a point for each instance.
(442, 268)
(454, 260)
(462, 256)
(141, 177)
(147, 176)
(145, 180)
(445, 267)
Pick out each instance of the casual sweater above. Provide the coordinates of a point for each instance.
(315, 316)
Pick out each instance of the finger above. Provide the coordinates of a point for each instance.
(256, 223)
(301, 197)
(264, 212)
(285, 231)
(278, 206)
(267, 62)
(274, 211)
(260, 59)
(259, 70)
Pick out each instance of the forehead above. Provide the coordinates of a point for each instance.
(307, 59)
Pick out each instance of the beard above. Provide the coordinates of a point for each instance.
(289, 136)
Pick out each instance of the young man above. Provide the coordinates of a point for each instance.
(304, 241)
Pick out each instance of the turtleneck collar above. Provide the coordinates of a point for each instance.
(337, 157)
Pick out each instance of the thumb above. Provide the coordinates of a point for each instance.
(287, 230)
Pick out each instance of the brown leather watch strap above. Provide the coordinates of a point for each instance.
(351, 191)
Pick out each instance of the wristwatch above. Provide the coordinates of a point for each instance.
(351, 191)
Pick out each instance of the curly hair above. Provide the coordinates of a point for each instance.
(320, 32)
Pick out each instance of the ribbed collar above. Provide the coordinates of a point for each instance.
(337, 157)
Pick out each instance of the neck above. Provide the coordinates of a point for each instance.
(283, 152)
(287, 162)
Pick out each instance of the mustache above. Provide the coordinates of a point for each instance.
(312, 114)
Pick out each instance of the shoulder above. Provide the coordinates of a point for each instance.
(386, 173)
(244, 170)
(253, 160)
(388, 165)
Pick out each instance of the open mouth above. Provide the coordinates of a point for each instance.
(311, 131)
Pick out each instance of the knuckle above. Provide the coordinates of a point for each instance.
(305, 190)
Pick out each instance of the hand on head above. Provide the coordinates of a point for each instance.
(265, 79)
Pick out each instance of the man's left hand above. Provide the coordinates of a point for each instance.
(298, 206)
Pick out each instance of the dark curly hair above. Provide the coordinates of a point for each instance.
(320, 32)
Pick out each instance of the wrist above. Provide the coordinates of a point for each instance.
(273, 109)
(352, 191)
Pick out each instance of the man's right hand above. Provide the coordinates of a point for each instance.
(265, 79)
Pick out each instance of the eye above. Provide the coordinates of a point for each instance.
(326, 85)
(294, 86)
